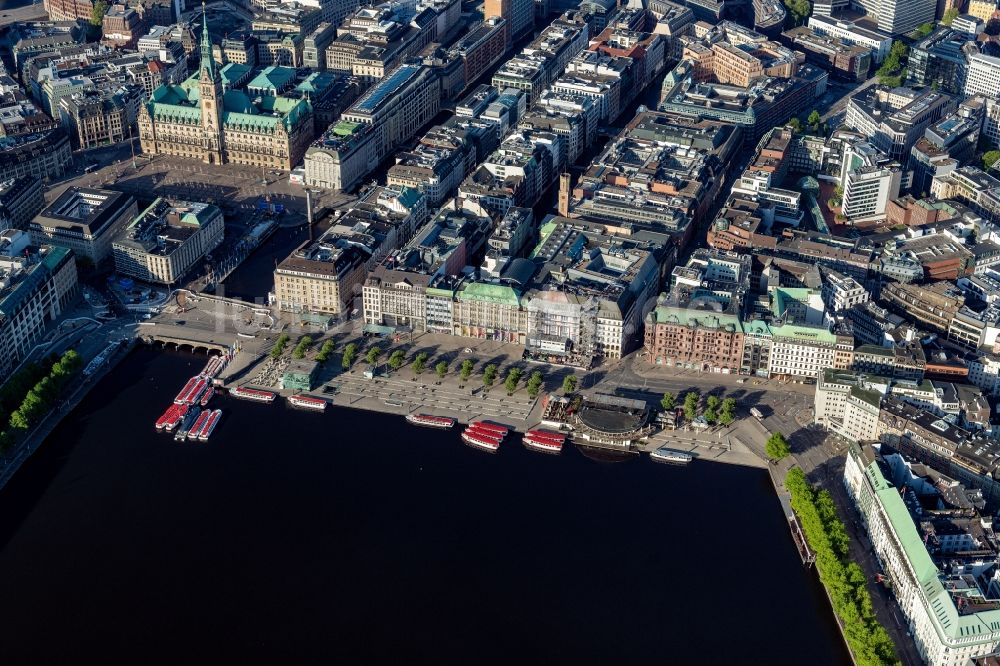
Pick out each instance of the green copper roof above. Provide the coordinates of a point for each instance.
(784, 295)
(491, 293)
(949, 625)
(409, 197)
(804, 333)
(698, 318)
(232, 72)
(273, 78)
(543, 235)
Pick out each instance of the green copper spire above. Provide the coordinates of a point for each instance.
(206, 44)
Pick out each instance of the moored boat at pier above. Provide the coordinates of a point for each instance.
(671, 456)
(443, 422)
(209, 427)
(481, 440)
(256, 395)
(307, 402)
(544, 440)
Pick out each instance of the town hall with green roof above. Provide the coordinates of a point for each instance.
(205, 119)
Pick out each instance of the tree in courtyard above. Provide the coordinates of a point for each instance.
(489, 375)
(373, 355)
(949, 15)
(727, 412)
(534, 385)
(796, 125)
(466, 370)
(325, 351)
(691, 405)
(350, 353)
(777, 446)
(569, 384)
(668, 402)
(300, 349)
(441, 369)
(814, 120)
(420, 362)
(396, 359)
(513, 377)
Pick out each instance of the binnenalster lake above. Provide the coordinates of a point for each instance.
(355, 538)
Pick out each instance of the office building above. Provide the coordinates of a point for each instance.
(931, 564)
(870, 180)
(84, 220)
(36, 287)
(167, 240)
(390, 113)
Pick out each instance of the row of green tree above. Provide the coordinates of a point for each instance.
(843, 578)
(397, 359)
(490, 372)
(716, 410)
(40, 398)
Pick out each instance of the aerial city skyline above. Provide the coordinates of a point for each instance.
(743, 238)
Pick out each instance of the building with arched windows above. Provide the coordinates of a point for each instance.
(201, 120)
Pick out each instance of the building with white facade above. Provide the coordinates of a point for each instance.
(870, 180)
(878, 41)
(36, 286)
(952, 612)
(849, 404)
(982, 76)
(167, 239)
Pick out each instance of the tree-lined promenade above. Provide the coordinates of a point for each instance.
(32, 393)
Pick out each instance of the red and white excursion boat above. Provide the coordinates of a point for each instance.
(544, 440)
(199, 424)
(206, 430)
(170, 417)
(252, 394)
(482, 435)
(307, 402)
(443, 422)
(175, 419)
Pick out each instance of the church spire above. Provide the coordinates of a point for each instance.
(207, 62)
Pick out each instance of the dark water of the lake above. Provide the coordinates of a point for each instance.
(354, 538)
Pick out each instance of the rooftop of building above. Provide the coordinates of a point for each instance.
(167, 224)
(84, 210)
